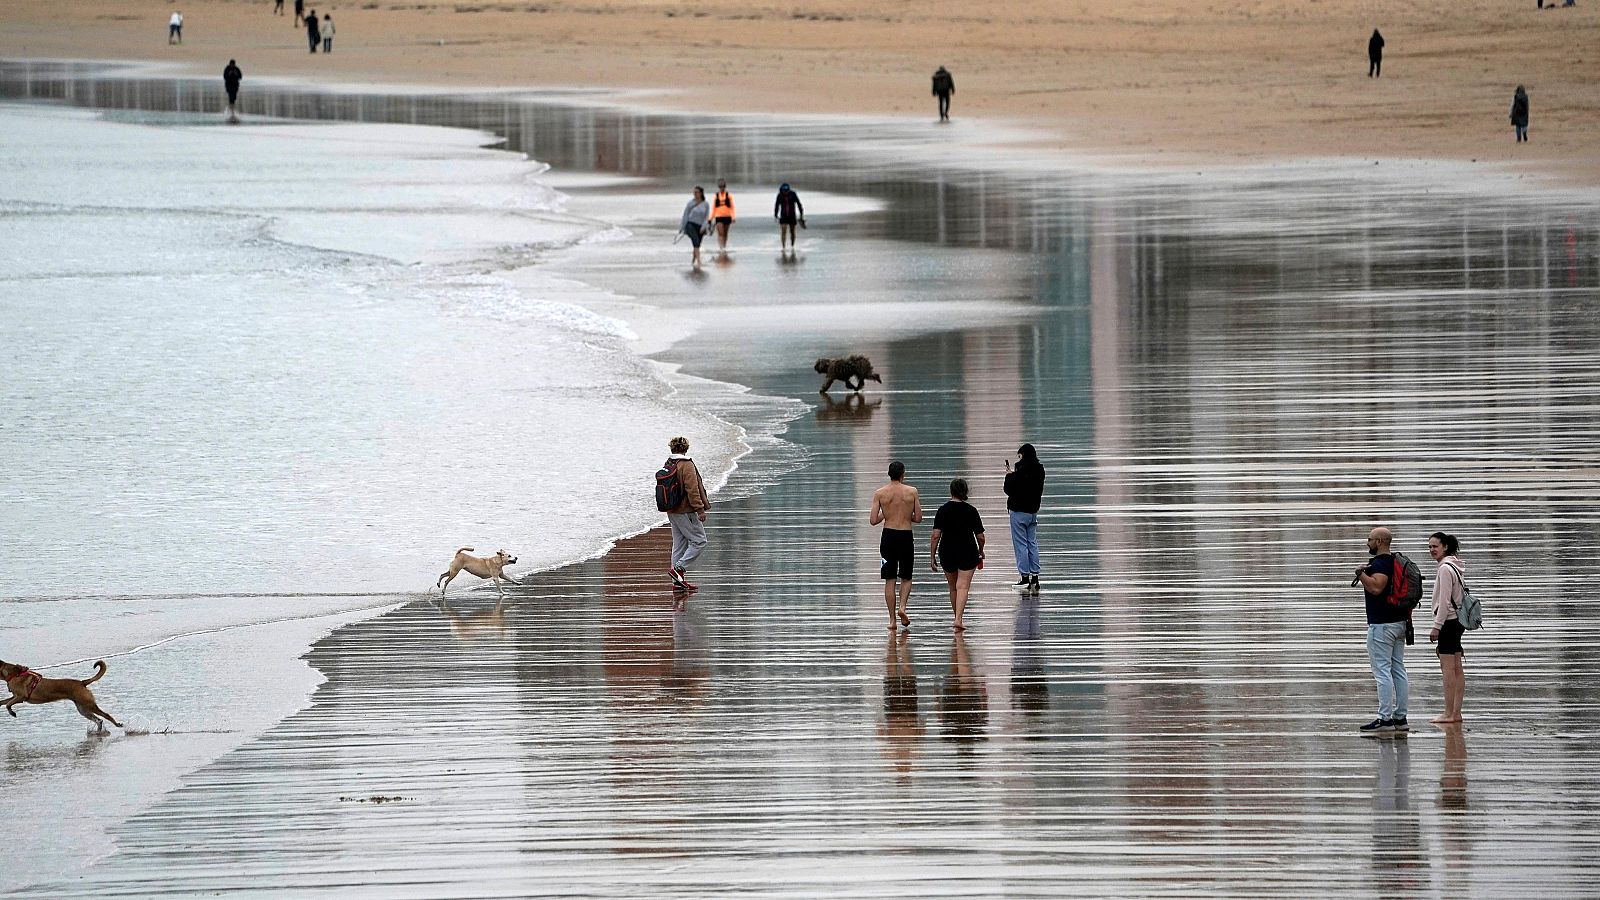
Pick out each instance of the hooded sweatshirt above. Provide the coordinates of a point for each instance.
(694, 488)
(1447, 591)
(1025, 486)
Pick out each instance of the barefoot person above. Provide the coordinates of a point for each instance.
(693, 221)
(957, 547)
(688, 517)
(722, 213)
(896, 507)
(1447, 627)
(231, 76)
(788, 210)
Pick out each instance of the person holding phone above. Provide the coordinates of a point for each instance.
(957, 547)
(1024, 490)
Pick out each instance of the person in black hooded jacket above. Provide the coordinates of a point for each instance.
(1375, 55)
(1024, 489)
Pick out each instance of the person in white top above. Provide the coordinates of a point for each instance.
(175, 28)
(1447, 628)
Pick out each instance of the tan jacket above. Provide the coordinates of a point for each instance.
(694, 488)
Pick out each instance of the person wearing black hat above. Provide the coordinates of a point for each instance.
(1024, 491)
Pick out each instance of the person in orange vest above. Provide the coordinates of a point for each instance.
(722, 214)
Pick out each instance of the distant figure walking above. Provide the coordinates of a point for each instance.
(686, 510)
(299, 12)
(722, 213)
(277, 7)
(1519, 114)
(313, 34)
(693, 221)
(788, 210)
(943, 86)
(957, 547)
(896, 507)
(1024, 487)
(175, 28)
(1375, 55)
(1447, 626)
(231, 76)
(327, 32)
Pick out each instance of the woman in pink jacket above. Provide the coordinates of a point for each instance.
(1447, 629)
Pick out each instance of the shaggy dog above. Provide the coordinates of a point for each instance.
(857, 369)
(491, 567)
(28, 686)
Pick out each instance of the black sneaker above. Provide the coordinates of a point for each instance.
(1399, 724)
(1378, 725)
(1033, 582)
(1022, 582)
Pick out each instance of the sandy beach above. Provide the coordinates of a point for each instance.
(1232, 80)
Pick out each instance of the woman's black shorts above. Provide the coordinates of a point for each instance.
(1450, 638)
(696, 234)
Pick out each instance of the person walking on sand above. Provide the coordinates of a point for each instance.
(277, 7)
(688, 516)
(693, 221)
(896, 507)
(231, 76)
(957, 547)
(722, 213)
(788, 210)
(1024, 488)
(175, 28)
(299, 12)
(1375, 55)
(313, 34)
(943, 86)
(327, 32)
(1519, 114)
(1447, 628)
(1386, 635)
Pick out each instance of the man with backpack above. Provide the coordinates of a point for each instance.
(681, 494)
(1391, 582)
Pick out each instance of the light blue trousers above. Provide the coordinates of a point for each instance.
(1386, 649)
(1025, 542)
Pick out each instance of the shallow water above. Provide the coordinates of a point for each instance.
(1229, 385)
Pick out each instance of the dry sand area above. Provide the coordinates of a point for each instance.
(1239, 80)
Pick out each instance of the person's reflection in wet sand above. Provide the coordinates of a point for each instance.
(789, 261)
(1030, 687)
(1399, 862)
(1455, 825)
(1453, 778)
(723, 259)
(853, 408)
(902, 730)
(963, 701)
(477, 626)
(689, 667)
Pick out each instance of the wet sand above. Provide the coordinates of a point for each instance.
(1228, 80)
(1229, 383)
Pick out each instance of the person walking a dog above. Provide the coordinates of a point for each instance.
(1024, 487)
(896, 507)
(688, 516)
(788, 210)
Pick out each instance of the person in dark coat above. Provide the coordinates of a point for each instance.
(1519, 114)
(231, 76)
(943, 87)
(313, 33)
(1375, 55)
(299, 12)
(1024, 489)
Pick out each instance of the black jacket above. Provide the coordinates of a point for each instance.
(1375, 46)
(231, 76)
(1519, 110)
(1025, 486)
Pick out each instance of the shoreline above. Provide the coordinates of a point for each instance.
(1144, 86)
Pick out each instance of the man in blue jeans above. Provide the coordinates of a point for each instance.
(1024, 488)
(1386, 636)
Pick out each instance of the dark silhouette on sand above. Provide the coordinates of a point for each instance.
(943, 86)
(1519, 114)
(1375, 55)
(231, 76)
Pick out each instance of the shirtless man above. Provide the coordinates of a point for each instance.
(896, 507)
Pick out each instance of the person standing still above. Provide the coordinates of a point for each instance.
(231, 76)
(1519, 113)
(175, 28)
(788, 210)
(957, 547)
(1375, 55)
(1386, 635)
(1447, 628)
(722, 213)
(327, 32)
(943, 86)
(896, 507)
(313, 35)
(688, 518)
(1024, 487)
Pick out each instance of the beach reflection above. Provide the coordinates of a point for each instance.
(852, 408)
(1399, 860)
(901, 731)
(963, 704)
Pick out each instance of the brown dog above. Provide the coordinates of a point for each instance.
(855, 371)
(28, 686)
(492, 567)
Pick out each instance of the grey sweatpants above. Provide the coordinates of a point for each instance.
(688, 538)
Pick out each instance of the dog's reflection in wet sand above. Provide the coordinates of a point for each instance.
(476, 626)
(853, 408)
